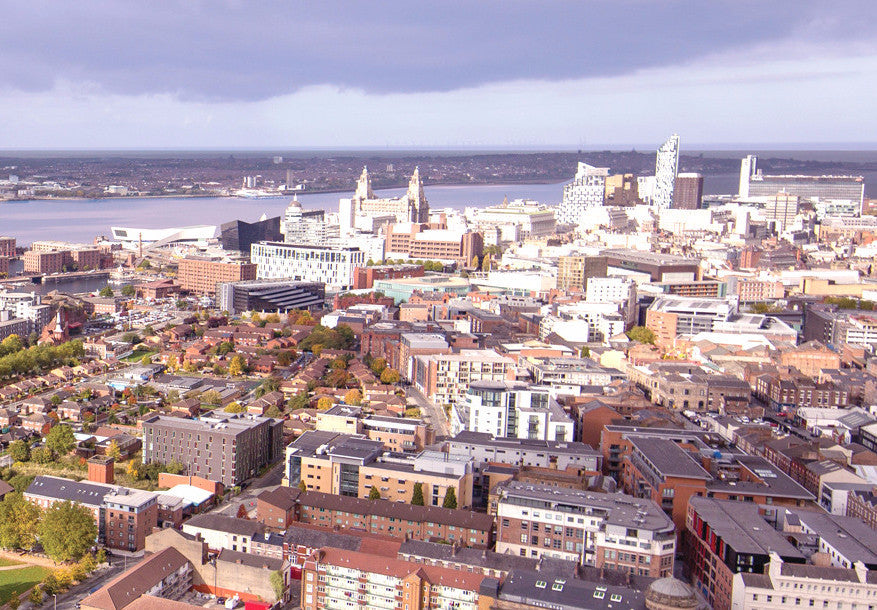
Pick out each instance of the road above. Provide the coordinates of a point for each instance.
(270, 479)
(71, 599)
(431, 414)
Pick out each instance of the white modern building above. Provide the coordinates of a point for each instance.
(306, 227)
(666, 168)
(511, 409)
(132, 238)
(514, 221)
(585, 192)
(332, 265)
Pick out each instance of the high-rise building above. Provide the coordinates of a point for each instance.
(666, 168)
(573, 271)
(300, 226)
(782, 209)
(586, 191)
(332, 265)
(747, 170)
(688, 192)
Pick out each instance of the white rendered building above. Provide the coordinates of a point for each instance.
(586, 191)
(666, 168)
(332, 265)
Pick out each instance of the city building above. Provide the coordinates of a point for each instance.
(124, 516)
(224, 447)
(604, 530)
(511, 409)
(666, 168)
(269, 295)
(753, 183)
(280, 507)
(748, 167)
(573, 272)
(725, 539)
(7, 246)
(300, 226)
(201, 275)
(331, 265)
(514, 221)
(332, 576)
(364, 277)
(670, 316)
(782, 209)
(651, 266)
(352, 465)
(586, 191)
(419, 242)
(364, 207)
(133, 238)
(688, 191)
(445, 378)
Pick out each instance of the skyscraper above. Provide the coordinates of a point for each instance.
(666, 167)
(747, 170)
(586, 191)
(688, 193)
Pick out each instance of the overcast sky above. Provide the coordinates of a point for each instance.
(509, 73)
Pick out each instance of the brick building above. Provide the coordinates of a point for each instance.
(202, 275)
(364, 277)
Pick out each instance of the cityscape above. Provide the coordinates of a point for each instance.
(457, 372)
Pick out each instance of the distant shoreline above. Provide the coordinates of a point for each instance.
(278, 196)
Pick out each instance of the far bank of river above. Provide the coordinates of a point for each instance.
(80, 220)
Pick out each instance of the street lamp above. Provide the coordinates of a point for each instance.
(55, 600)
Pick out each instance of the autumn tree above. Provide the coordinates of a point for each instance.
(235, 407)
(390, 376)
(325, 403)
(353, 397)
(114, 451)
(641, 334)
(19, 522)
(237, 366)
(67, 531)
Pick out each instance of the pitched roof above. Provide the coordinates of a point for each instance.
(126, 588)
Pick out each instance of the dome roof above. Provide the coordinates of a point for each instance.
(671, 592)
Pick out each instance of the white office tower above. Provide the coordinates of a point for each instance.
(306, 227)
(666, 168)
(747, 170)
(585, 192)
(741, 224)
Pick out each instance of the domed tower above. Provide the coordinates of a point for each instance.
(670, 594)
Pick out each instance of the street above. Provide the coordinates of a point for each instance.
(248, 497)
(71, 599)
(431, 414)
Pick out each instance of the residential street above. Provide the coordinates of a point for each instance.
(432, 414)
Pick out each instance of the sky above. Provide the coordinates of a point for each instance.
(404, 74)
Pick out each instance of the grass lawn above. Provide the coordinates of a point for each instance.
(9, 562)
(20, 580)
(137, 355)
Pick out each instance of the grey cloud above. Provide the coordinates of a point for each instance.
(253, 50)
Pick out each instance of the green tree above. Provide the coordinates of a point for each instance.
(450, 499)
(299, 401)
(302, 486)
(60, 440)
(417, 495)
(67, 531)
(274, 412)
(11, 345)
(235, 407)
(277, 585)
(146, 360)
(19, 522)
(42, 455)
(390, 376)
(641, 334)
(19, 451)
(14, 600)
(145, 264)
(271, 384)
(128, 290)
(485, 263)
(586, 352)
(375, 493)
(174, 467)
(106, 292)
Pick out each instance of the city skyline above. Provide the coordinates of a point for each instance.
(552, 75)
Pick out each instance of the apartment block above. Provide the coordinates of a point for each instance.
(512, 409)
(724, 539)
(333, 576)
(229, 448)
(285, 505)
(332, 265)
(594, 529)
(573, 272)
(349, 465)
(201, 276)
(7, 246)
(124, 516)
(445, 378)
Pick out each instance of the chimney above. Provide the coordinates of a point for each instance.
(101, 469)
